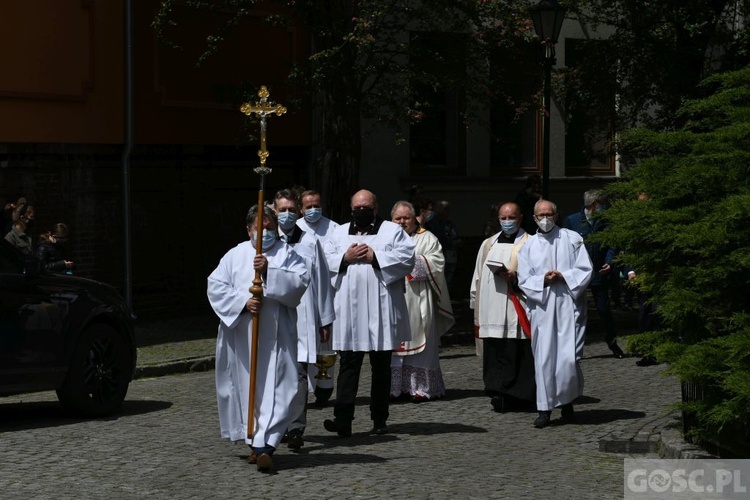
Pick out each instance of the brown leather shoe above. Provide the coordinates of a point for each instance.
(252, 458)
(264, 462)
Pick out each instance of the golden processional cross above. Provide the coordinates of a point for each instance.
(262, 108)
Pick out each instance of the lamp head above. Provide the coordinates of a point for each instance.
(548, 16)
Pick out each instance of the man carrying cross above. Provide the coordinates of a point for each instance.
(285, 279)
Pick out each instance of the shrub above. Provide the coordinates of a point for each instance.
(689, 244)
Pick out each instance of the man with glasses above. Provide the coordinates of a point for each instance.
(554, 270)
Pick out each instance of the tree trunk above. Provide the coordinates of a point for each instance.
(338, 164)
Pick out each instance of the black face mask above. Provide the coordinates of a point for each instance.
(363, 217)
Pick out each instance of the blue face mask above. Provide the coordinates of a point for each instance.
(287, 220)
(509, 226)
(313, 214)
(269, 238)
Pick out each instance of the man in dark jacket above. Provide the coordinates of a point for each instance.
(586, 223)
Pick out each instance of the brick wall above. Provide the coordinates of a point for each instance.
(188, 207)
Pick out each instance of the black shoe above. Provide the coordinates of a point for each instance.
(498, 403)
(379, 427)
(542, 420)
(295, 441)
(568, 414)
(647, 361)
(339, 427)
(616, 351)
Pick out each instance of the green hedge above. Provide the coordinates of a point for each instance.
(689, 244)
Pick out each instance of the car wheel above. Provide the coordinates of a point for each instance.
(99, 373)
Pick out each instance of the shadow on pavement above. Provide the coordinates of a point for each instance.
(585, 400)
(47, 414)
(431, 428)
(285, 460)
(139, 407)
(453, 394)
(597, 417)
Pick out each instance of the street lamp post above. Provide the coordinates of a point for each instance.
(548, 17)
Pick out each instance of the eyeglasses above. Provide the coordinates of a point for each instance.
(544, 216)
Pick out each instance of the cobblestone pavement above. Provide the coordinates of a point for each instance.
(165, 444)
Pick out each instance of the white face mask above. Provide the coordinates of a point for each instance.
(545, 225)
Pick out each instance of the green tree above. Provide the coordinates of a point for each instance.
(690, 246)
(368, 60)
(664, 48)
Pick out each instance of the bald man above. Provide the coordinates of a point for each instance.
(554, 270)
(368, 259)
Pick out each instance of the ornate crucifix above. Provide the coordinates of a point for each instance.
(262, 108)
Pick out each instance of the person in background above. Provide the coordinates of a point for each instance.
(445, 230)
(9, 213)
(51, 251)
(20, 234)
(415, 365)
(423, 208)
(586, 223)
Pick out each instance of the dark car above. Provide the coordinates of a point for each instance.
(66, 333)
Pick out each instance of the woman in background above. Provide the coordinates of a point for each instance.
(50, 249)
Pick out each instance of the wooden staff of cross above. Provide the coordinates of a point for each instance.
(262, 108)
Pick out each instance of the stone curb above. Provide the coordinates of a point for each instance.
(672, 445)
(200, 364)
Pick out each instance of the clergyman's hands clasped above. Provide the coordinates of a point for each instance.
(552, 276)
(358, 252)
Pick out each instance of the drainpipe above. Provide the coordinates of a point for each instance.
(127, 149)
